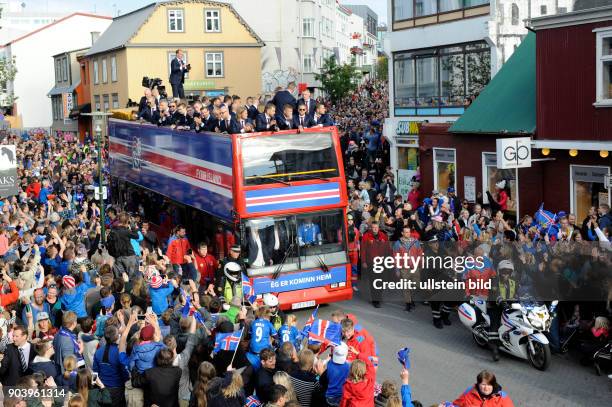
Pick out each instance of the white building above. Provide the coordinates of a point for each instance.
(298, 35)
(366, 54)
(439, 57)
(33, 55)
(19, 18)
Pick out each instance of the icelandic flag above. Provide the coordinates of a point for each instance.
(252, 401)
(227, 341)
(545, 220)
(247, 289)
(310, 321)
(323, 331)
(185, 311)
(403, 355)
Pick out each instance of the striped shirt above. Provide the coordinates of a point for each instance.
(304, 384)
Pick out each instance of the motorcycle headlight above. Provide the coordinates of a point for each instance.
(535, 320)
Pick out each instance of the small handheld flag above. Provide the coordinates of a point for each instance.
(227, 341)
(198, 317)
(327, 332)
(187, 307)
(252, 401)
(403, 355)
(310, 321)
(247, 289)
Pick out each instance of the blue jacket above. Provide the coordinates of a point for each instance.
(112, 372)
(52, 264)
(74, 299)
(159, 300)
(136, 244)
(406, 396)
(336, 376)
(143, 356)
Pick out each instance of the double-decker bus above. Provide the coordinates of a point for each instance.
(282, 194)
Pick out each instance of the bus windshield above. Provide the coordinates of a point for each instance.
(294, 242)
(288, 157)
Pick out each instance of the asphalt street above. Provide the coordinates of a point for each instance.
(445, 362)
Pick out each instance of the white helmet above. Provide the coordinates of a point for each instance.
(232, 271)
(270, 300)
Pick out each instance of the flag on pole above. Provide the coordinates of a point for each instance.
(198, 317)
(227, 341)
(327, 332)
(310, 321)
(247, 289)
(403, 355)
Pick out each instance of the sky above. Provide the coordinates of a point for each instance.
(113, 7)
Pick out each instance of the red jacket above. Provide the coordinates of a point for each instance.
(363, 342)
(360, 394)
(369, 237)
(471, 398)
(207, 267)
(177, 249)
(33, 190)
(10, 297)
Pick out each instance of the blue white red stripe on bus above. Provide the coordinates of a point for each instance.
(292, 197)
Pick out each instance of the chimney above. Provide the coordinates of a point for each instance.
(94, 36)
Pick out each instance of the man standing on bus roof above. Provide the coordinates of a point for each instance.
(309, 233)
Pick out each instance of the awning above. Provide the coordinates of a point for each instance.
(84, 108)
(58, 90)
(507, 105)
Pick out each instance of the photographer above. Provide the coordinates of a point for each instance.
(91, 389)
(177, 74)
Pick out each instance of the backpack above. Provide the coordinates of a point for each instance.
(111, 244)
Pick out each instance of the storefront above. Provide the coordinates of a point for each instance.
(403, 135)
(195, 88)
(587, 188)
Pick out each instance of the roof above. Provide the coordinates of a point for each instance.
(54, 23)
(58, 90)
(507, 105)
(122, 29)
(126, 26)
(70, 52)
(577, 17)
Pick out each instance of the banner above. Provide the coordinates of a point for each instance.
(8, 171)
(68, 104)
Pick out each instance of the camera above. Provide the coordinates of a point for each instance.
(188, 67)
(155, 83)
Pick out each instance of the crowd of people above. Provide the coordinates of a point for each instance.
(140, 321)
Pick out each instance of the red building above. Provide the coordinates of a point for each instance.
(557, 90)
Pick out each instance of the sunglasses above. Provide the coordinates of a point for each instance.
(302, 110)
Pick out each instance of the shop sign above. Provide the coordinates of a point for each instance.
(407, 127)
(404, 182)
(67, 101)
(513, 153)
(469, 189)
(198, 84)
(589, 174)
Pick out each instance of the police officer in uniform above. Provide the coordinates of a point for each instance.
(229, 278)
(440, 310)
(495, 309)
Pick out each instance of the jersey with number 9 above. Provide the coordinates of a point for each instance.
(261, 331)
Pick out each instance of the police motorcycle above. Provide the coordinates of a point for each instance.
(522, 329)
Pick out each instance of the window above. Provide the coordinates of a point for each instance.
(58, 70)
(172, 55)
(302, 241)
(214, 64)
(587, 188)
(308, 27)
(97, 102)
(436, 81)
(115, 101)
(308, 63)
(106, 102)
(491, 175)
(603, 68)
(57, 107)
(515, 14)
(104, 72)
(175, 21)
(65, 69)
(543, 10)
(562, 10)
(212, 21)
(281, 157)
(113, 68)
(445, 167)
(450, 5)
(425, 8)
(96, 73)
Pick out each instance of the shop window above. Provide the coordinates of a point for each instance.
(604, 67)
(491, 175)
(445, 169)
(587, 189)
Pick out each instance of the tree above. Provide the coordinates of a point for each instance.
(382, 68)
(8, 70)
(338, 80)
